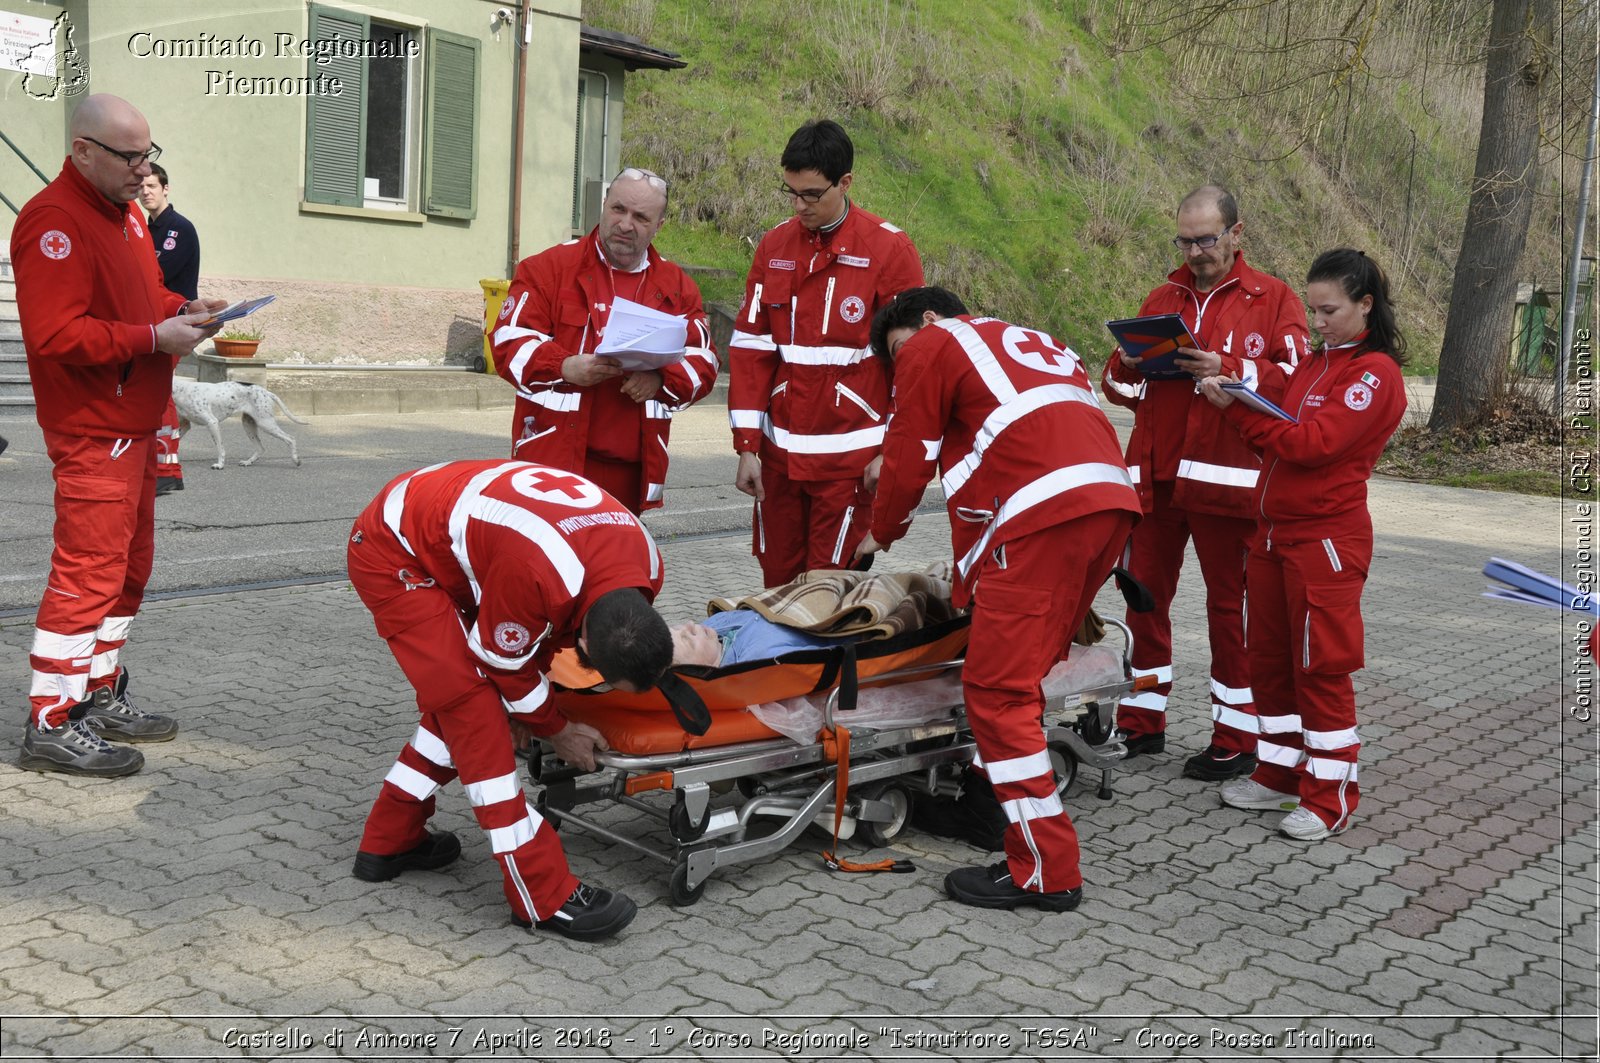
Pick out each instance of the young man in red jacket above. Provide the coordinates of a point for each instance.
(581, 411)
(806, 401)
(1195, 475)
(476, 573)
(102, 335)
(1040, 506)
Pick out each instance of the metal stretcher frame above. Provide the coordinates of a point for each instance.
(797, 781)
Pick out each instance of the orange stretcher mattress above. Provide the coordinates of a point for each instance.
(643, 724)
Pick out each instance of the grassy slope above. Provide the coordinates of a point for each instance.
(1036, 171)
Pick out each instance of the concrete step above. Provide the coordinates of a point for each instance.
(12, 346)
(16, 403)
(8, 291)
(10, 329)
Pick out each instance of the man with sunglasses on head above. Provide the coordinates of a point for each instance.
(581, 411)
(102, 336)
(807, 402)
(1195, 475)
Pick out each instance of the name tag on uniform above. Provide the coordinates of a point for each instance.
(780, 263)
(854, 260)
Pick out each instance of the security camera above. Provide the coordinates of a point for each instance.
(504, 17)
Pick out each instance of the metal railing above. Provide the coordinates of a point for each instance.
(23, 156)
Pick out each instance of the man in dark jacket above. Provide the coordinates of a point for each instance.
(178, 253)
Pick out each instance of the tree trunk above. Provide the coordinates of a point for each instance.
(1477, 331)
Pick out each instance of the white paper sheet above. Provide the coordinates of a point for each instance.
(640, 337)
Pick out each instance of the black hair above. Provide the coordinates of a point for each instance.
(626, 639)
(1360, 276)
(160, 172)
(905, 311)
(1226, 205)
(820, 145)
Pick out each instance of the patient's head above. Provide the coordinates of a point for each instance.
(695, 644)
(625, 640)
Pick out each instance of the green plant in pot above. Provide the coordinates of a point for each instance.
(239, 341)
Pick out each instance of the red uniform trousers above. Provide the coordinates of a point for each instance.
(807, 524)
(1306, 640)
(622, 480)
(464, 733)
(166, 449)
(1024, 614)
(1155, 556)
(105, 503)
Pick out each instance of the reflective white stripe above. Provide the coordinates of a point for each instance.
(474, 506)
(844, 529)
(1232, 695)
(1149, 700)
(1340, 739)
(1229, 716)
(655, 555)
(1127, 391)
(431, 747)
(746, 419)
(886, 225)
(1333, 555)
(752, 342)
(558, 401)
(102, 664)
(1022, 809)
(1226, 475)
(65, 689)
(54, 646)
(509, 839)
(1249, 375)
(1133, 474)
(1002, 418)
(845, 392)
(654, 492)
(1018, 768)
(519, 361)
(1163, 673)
(802, 354)
(1292, 347)
(930, 448)
(1272, 753)
(411, 781)
(977, 759)
(394, 507)
(531, 701)
(1050, 485)
(1280, 724)
(842, 443)
(507, 333)
(498, 660)
(981, 357)
(657, 411)
(1323, 768)
(493, 791)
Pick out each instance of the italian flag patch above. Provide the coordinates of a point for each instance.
(1369, 380)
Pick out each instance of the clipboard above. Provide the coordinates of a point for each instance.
(1154, 341)
(1241, 391)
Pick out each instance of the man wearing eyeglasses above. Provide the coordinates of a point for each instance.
(807, 402)
(1195, 474)
(102, 336)
(580, 411)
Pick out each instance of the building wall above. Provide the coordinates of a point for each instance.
(346, 277)
(37, 126)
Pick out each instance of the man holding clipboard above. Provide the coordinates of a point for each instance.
(585, 404)
(1195, 474)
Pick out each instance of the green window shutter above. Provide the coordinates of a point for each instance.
(450, 139)
(577, 157)
(336, 143)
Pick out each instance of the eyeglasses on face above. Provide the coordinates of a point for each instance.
(1204, 243)
(134, 159)
(810, 195)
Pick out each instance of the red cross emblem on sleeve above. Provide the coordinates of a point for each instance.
(55, 244)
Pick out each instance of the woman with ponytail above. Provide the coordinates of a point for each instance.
(1308, 562)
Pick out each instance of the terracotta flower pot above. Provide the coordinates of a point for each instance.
(236, 348)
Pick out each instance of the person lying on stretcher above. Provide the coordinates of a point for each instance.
(741, 635)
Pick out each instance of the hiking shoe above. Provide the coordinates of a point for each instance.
(591, 913)
(975, 817)
(1253, 797)
(991, 887)
(1216, 764)
(440, 849)
(75, 749)
(115, 717)
(1307, 826)
(1139, 745)
(165, 485)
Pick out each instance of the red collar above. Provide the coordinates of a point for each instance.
(90, 194)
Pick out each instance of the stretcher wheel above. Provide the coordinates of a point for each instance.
(681, 893)
(1065, 765)
(681, 826)
(879, 834)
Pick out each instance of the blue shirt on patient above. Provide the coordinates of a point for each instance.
(746, 635)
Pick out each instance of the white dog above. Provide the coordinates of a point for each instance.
(211, 404)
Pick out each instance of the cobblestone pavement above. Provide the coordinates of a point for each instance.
(205, 907)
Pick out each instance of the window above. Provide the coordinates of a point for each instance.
(403, 135)
(589, 157)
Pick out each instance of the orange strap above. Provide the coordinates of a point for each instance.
(836, 743)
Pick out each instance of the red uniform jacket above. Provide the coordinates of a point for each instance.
(90, 296)
(1019, 437)
(804, 390)
(1177, 434)
(1349, 400)
(523, 551)
(558, 305)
